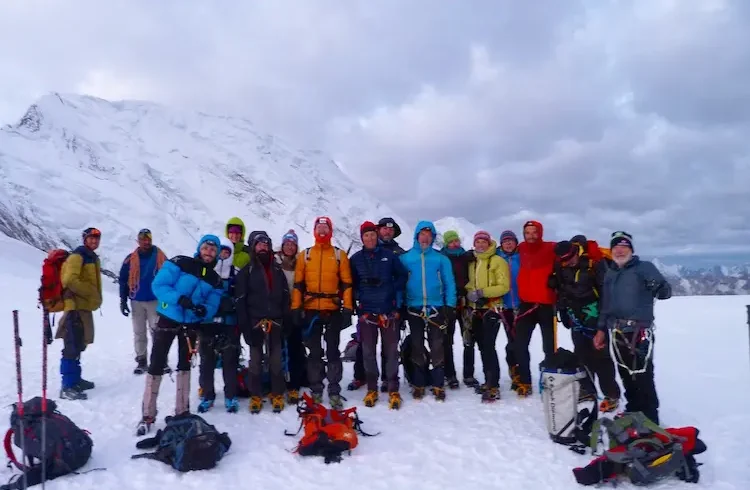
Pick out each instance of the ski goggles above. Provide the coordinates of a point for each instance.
(144, 233)
(622, 234)
(91, 232)
(263, 239)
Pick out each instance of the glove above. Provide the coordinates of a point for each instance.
(473, 296)
(346, 318)
(298, 316)
(124, 307)
(226, 305)
(199, 310)
(185, 302)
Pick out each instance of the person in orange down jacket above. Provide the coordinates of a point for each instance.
(322, 304)
(537, 300)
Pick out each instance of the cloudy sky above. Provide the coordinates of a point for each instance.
(588, 116)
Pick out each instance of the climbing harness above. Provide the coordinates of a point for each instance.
(429, 317)
(640, 344)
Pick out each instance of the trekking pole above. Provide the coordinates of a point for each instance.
(45, 323)
(19, 382)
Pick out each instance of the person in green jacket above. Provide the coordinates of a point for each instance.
(235, 231)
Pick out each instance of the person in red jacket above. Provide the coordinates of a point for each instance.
(537, 300)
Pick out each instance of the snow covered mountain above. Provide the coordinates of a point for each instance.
(686, 281)
(77, 161)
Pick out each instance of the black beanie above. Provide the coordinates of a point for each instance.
(564, 250)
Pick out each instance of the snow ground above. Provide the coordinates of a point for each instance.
(702, 368)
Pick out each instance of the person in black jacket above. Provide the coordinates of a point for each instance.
(388, 230)
(262, 296)
(460, 260)
(578, 282)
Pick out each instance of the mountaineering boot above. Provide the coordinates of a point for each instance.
(452, 383)
(384, 387)
(337, 402)
(73, 394)
(524, 390)
(418, 392)
(144, 426)
(141, 366)
(609, 404)
(515, 379)
(232, 405)
(292, 397)
(256, 404)
(84, 385)
(371, 398)
(471, 382)
(394, 400)
(317, 397)
(277, 403)
(480, 389)
(182, 400)
(355, 385)
(205, 405)
(439, 394)
(491, 395)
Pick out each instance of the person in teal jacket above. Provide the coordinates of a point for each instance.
(431, 306)
(189, 292)
(508, 250)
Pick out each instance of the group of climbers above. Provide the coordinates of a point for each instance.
(296, 300)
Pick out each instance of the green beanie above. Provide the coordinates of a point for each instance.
(449, 236)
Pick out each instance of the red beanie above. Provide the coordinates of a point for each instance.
(482, 235)
(367, 226)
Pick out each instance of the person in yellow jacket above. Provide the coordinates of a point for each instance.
(489, 281)
(81, 279)
(322, 306)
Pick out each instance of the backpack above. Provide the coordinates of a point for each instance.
(66, 447)
(561, 378)
(187, 443)
(51, 289)
(642, 451)
(327, 432)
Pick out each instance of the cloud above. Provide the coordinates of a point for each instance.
(589, 116)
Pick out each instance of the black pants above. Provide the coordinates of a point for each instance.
(269, 337)
(640, 389)
(508, 317)
(529, 315)
(359, 363)
(469, 340)
(224, 340)
(450, 363)
(435, 338)
(389, 338)
(297, 359)
(327, 327)
(486, 325)
(165, 332)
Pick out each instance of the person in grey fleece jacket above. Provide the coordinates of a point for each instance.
(627, 313)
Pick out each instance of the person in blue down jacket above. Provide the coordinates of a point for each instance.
(189, 292)
(379, 279)
(430, 304)
(627, 313)
(508, 250)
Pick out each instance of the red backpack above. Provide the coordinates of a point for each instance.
(51, 290)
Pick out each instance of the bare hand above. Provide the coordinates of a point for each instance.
(600, 340)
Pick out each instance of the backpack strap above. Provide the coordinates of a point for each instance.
(9, 450)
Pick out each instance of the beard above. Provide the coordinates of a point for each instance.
(264, 257)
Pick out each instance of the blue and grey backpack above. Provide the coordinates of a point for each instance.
(187, 443)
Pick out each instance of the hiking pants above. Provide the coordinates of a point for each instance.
(508, 317)
(435, 339)
(529, 315)
(297, 358)
(450, 363)
(469, 341)
(272, 342)
(486, 325)
(598, 362)
(359, 362)
(327, 327)
(224, 340)
(640, 389)
(390, 335)
(143, 315)
(73, 345)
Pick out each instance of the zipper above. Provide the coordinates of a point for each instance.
(320, 274)
(424, 282)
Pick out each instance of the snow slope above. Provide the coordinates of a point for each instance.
(464, 227)
(77, 161)
(702, 368)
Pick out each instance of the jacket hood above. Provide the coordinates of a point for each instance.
(235, 221)
(538, 227)
(253, 239)
(208, 238)
(491, 250)
(224, 267)
(420, 226)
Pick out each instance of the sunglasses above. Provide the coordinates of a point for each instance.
(144, 233)
(211, 243)
(622, 234)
